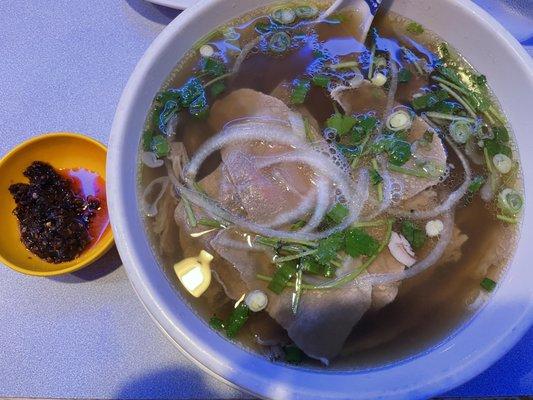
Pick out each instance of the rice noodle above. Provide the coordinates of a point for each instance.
(452, 199)
(149, 201)
(431, 259)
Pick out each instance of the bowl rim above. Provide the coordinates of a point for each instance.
(228, 362)
(104, 243)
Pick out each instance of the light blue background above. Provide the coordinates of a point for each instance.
(63, 65)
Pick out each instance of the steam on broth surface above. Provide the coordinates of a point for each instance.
(353, 196)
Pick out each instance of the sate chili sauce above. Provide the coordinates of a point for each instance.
(60, 212)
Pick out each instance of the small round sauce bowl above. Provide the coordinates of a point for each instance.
(71, 155)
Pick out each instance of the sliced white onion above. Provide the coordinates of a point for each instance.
(150, 159)
(298, 125)
(244, 53)
(431, 259)
(321, 207)
(152, 195)
(305, 206)
(452, 199)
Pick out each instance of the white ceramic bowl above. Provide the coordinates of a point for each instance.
(484, 339)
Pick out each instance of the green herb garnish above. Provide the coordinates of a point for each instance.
(429, 100)
(159, 145)
(213, 67)
(189, 92)
(285, 272)
(329, 247)
(476, 184)
(415, 28)
(341, 123)
(237, 319)
(300, 90)
(217, 323)
(488, 284)
(337, 213)
(414, 234)
(358, 243)
(218, 88)
(321, 81)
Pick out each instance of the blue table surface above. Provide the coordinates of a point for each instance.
(63, 65)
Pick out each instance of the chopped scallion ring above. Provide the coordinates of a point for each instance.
(306, 12)
(207, 51)
(379, 79)
(461, 131)
(284, 16)
(510, 202)
(399, 120)
(503, 164)
(280, 42)
(256, 300)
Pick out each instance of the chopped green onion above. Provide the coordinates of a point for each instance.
(306, 12)
(510, 202)
(297, 256)
(449, 117)
(160, 146)
(280, 42)
(399, 120)
(263, 27)
(282, 276)
(507, 219)
(502, 163)
(321, 81)
(476, 184)
(191, 218)
(379, 79)
(237, 319)
(344, 65)
(428, 100)
(211, 223)
(216, 323)
(284, 16)
(404, 75)
(341, 123)
(337, 213)
(295, 300)
(461, 131)
(488, 284)
(457, 97)
(300, 91)
(415, 28)
(414, 234)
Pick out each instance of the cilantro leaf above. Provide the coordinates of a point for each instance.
(218, 88)
(321, 81)
(399, 152)
(414, 235)
(329, 247)
(494, 147)
(337, 213)
(213, 67)
(359, 243)
(429, 100)
(282, 276)
(501, 134)
(476, 184)
(189, 92)
(341, 123)
(300, 90)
